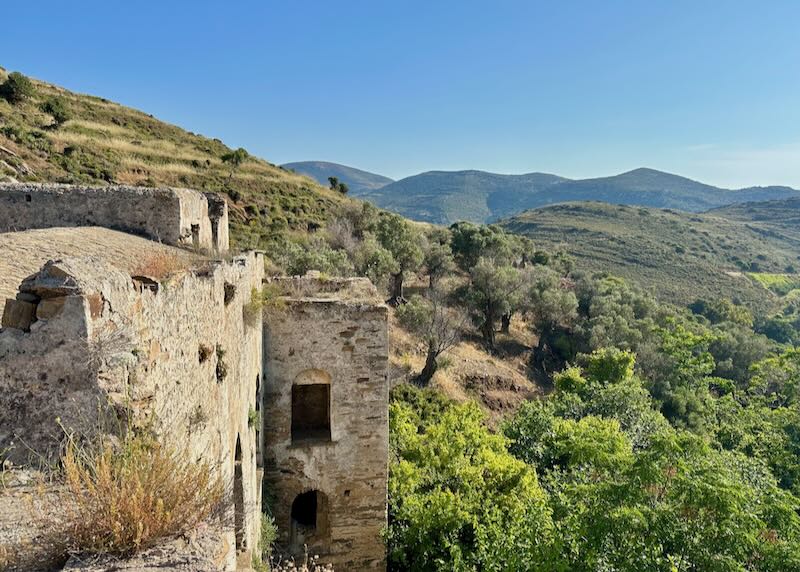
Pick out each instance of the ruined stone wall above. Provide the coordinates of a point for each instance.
(172, 216)
(338, 340)
(46, 372)
(182, 357)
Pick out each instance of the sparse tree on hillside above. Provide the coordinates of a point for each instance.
(337, 185)
(439, 326)
(16, 88)
(470, 242)
(235, 159)
(550, 305)
(397, 236)
(438, 261)
(374, 261)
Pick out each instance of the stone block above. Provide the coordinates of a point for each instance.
(19, 314)
(95, 305)
(50, 308)
(28, 297)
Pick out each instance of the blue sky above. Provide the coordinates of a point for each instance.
(707, 89)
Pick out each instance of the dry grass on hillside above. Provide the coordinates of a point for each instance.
(159, 265)
(104, 142)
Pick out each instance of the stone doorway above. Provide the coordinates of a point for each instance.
(310, 522)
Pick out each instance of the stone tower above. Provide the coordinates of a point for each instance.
(325, 405)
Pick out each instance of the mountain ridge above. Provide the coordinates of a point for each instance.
(445, 197)
(358, 180)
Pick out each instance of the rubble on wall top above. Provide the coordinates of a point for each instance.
(315, 286)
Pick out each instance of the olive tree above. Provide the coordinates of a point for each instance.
(493, 290)
(438, 326)
(397, 236)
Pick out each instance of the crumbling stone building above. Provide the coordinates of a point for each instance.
(294, 403)
(325, 394)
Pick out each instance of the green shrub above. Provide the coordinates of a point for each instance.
(253, 418)
(457, 499)
(56, 107)
(16, 88)
(269, 533)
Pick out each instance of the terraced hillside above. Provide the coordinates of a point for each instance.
(678, 256)
(98, 141)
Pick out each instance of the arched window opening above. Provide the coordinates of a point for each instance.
(238, 498)
(310, 521)
(311, 412)
(311, 406)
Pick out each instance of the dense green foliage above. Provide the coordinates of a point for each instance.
(618, 487)
(458, 499)
(16, 88)
(57, 109)
(670, 442)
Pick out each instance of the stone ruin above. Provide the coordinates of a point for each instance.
(292, 401)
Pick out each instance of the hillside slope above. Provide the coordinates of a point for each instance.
(446, 197)
(780, 216)
(359, 181)
(104, 142)
(678, 256)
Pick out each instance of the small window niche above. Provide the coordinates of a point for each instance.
(196, 235)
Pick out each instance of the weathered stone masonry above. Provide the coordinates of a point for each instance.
(326, 421)
(179, 217)
(83, 343)
(183, 359)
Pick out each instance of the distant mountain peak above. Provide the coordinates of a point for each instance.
(358, 180)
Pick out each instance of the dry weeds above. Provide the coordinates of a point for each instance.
(128, 498)
(159, 265)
